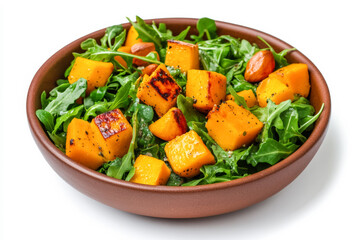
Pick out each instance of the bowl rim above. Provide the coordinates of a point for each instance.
(42, 138)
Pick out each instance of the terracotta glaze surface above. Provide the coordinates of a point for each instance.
(178, 202)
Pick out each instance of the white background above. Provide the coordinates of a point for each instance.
(322, 203)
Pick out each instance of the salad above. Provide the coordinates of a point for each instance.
(150, 107)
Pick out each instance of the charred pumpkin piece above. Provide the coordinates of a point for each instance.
(159, 90)
(232, 126)
(248, 95)
(113, 133)
(182, 55)
(206, 88)
(95, 72)
(150, 171)
(169, 126)
(187, 154)
(81, 145)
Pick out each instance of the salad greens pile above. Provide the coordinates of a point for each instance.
(286, 126)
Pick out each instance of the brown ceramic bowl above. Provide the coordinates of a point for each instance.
(178, 202)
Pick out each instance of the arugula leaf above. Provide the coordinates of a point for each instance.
(311, 120)
(166, 34)
(290, 130)
(96, 109)
(67, 117)
(110, 34)
(44, 101)
(268, 114)
(238, 99)
(123, 168)
(239, 84)
(185, 104)
(88, 43)
(46, 118)
(179, 76)
(152, 151)
(280, 59)
(63, 100)
(122, 99)
(124, 79)
(106, 55)
(59, 140)
(205, 26)
(271, 152)
(174, 180)
(98, 94)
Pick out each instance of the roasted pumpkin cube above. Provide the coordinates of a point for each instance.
(81, 145)
(295, 76)
(150, 171)
(125, 49)
(113, 133)
(159, 90)
(206, 88)
(273, 89)
(232, 126)
(169, 126)
(132, 37)
(182, 55)
(95, 72)
(187, 154)
(248, 95)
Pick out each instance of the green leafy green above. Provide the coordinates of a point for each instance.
(271, 151)
(112, 33)
(280, 59)
(123, 168)
(185, 104)
(64, 99)
(238, 99)
(205, 26)
(46, 118)
(67, 117)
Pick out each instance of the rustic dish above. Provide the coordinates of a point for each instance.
(179, 202)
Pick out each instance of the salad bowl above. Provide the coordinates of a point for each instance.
(171, 201)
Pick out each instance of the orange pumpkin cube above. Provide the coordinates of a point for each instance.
(132, 37)
(273, 89)
(95, 72)
(295, 76)
(206, 88)
(169, 126)
(182, 55)
(150, 171)
(187, 154)
(113, 133)
(159, 90)
(232, 126)
(81, 145)
(248, 95)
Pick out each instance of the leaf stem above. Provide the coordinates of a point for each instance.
(123, 54)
